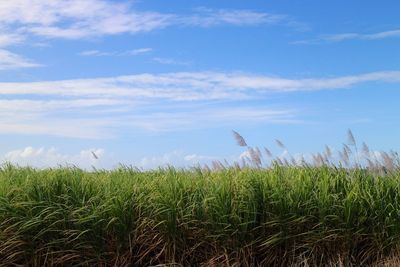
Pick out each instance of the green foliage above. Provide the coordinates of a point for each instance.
(248, 216)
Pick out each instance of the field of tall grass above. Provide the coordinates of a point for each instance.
(246, 214)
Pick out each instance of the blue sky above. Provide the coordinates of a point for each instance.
(159, 82)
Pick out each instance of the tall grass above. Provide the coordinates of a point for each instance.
(303, 214)
(249, 217)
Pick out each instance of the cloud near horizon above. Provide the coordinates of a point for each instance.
(51, 157)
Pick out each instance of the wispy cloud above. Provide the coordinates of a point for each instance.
(9, 39)
(189, 86)
(85, 18)
(95, 53)
(45, 125)
(133, 52)
(207, 17)
(139, 51)
(9, 60)
(360, 36)
(77, 18)
(164, 102)
(106, 121)
(57, 117)
(330, 38)
(24, 20)
(170, 61)
(187, 118)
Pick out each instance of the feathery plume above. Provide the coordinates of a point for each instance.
(347, 149)
(328, 152)
(239, 139)
(254, 156)
(340, 154)
(286, 162)
(394, 154)
(321, 159)
(350, 138)
(316, 161)
(387, 161)
(236, 165)
(217, 165)
(206, 168)
(94, 155)
(258, 152)
(280, 144)
(371, 164)
(226, 163)
(365, 149)
(344, 155)
(267, 152)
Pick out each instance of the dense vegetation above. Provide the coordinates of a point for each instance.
(283, 215)
(320, 210)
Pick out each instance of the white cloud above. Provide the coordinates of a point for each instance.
(138, 51)
(245, 155)
(184, 119)
(10, 60)
(83, 19)
(185, 86)
(93, 53)
(59, 118)
(9, 39)
(351, 36)
(360, 36)
(103, 107)
(50, 157)
(36, 106)
(133, 52)
(75, 19)
(176, 158)
(196, 158)
(170, 61)
(90, 128)
(45, 157)
(207, 17)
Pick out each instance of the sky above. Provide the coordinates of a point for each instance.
(150, 83)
